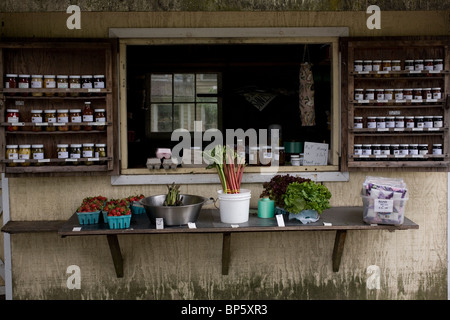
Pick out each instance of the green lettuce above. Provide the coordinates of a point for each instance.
(306, 196)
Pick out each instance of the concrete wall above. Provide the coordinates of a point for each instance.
(291, 265)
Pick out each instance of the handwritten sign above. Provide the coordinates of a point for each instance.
(383, 205)
(315, 154)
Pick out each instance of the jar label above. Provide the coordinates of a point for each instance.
(36, 119)
(358, 125)
(13, 156)
(38, 155)
(87, 85)
(371, 125)
(87, 153)
(359, 96)
(99, 85)
(50, 84)
(396, 68)
(13, 119)
(437, 151)
(63, 119)
(36, 84)
(63, 154)
(63, 85)
(51, 120)
(437, 95)
(75, 155)
(75, 86)
(24, 156)
(100, 120)
(76, 119)
(24, 85)
(88, 118)
(437, 124)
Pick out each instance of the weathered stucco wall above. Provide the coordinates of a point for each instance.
(281, 265)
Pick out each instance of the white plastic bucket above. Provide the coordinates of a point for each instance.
(234, 207)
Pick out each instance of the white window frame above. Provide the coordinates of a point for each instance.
(180, 36)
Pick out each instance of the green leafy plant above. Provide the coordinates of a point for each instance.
(306, 196)
(276, 187)
(173, 197)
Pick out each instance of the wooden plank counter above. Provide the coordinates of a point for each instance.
(339, 219)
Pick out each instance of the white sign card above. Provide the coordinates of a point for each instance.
(315, 154)
(383, 205)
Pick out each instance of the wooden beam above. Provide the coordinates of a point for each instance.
(338, 249)
(116, 255)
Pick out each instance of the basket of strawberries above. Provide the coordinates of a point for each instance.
(135, 206)
(89, 210)
(117, 213)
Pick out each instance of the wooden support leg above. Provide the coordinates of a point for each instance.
(338, 248)
(226, 240)
(116, 255)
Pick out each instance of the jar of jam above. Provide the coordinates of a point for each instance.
(24, 154)
(358, 66)
(409, 65)
(36, 83)
(380, 94)
(371, 122)
(24, 83)
(399, 96)
(278, 156)
(370, 94)
(36, 119)
(396, 67)
(437, 148)
(417, 94)
(367, 66)
(75, 119)
(88, 152)
(266, 155)
(12, 117)
(438, 122)
(376, 149)
(376, 66)
(436, 93)
(418, 65)
(37, 152)
(429, 66)
(62, 82)
(12, 153)
(63, 152)
(419, 121)
(400, 122)
(63, 119)
(386, 65)
(385, 149)
(11, 82)
(359, 94)
(423, 149)
(428, 122)
(357, 149)
(86, 83)
(100, 152)
(388, 94)
(88, 116)
(409, 120)
(49, 83)
(403, 149)
(366, 149)
(438, 64)
(50, 118)
(395, 149)
(99, 117)
(381, 122)
(99, 81)
(426, 94)
(358, 123)
(74, 83)
(75, 152)
(390, 122)
(408, 96)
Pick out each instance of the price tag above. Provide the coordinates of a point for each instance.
(99, 123)
(433, 129)
(382, 101)
(18, 160)
(94, 90)
(415, 71)
(417, 129)
(59, 124)
(280, 220)
(383, 72)
(76, 229)
(364, 101)
(382, 129)
(383, 205)
(191, 225)
(43, 160)
(159, 223)
(363, 72)
(71, 160)
(417, 155)
(399, 129)
(431, 100)
(434, 71)
(381, 156)
(41, 124)
(93, 159)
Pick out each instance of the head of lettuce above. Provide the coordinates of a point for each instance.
(306, 196)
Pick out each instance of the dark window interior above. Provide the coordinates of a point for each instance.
(245, 69)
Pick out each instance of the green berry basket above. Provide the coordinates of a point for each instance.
(105, 216)
(119, 222)
(88, 217)
(137, 208)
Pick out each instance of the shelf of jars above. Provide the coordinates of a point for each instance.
(32, 128)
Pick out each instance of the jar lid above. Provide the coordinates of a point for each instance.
(400, 117)
(367, 145)
(403, 145)
(426, 88)
(99, 76)
(99, 110)
(417, 89)
(376, 60)
(429, 117)
(358, 61)
(86, 76)
(88, 144)
(376, 145)
(12, 110)
(358, 117)
(62, 145)
(413, 145)
(418, 117)
(75, 110)
(370, 89)
(380, 89)
(401, 89)
(396, 60)
(438, 116)
(74, 77)
(63, 111)
(385, 145)
(394, 145)
(409, 60)
(24, 75)
(387, 60)
(437, 145)
(62, 76)
(36, 76)
(409, 117)
(438, 59)
(49, 76)
(76, 145)
(37, 146)
(423, 145)
(100, 144)
(428, 60)
(36, 111)
(436, 88)
(418, 60)
(11, 75)
(371, 117)
(50, 111)
(12, 146)
(359, 89)
(357, 145)
(381, 117)
(24, 146)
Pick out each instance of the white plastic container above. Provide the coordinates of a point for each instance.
(234, 207)
(383, 211)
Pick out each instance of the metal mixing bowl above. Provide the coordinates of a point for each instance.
(173, 215)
